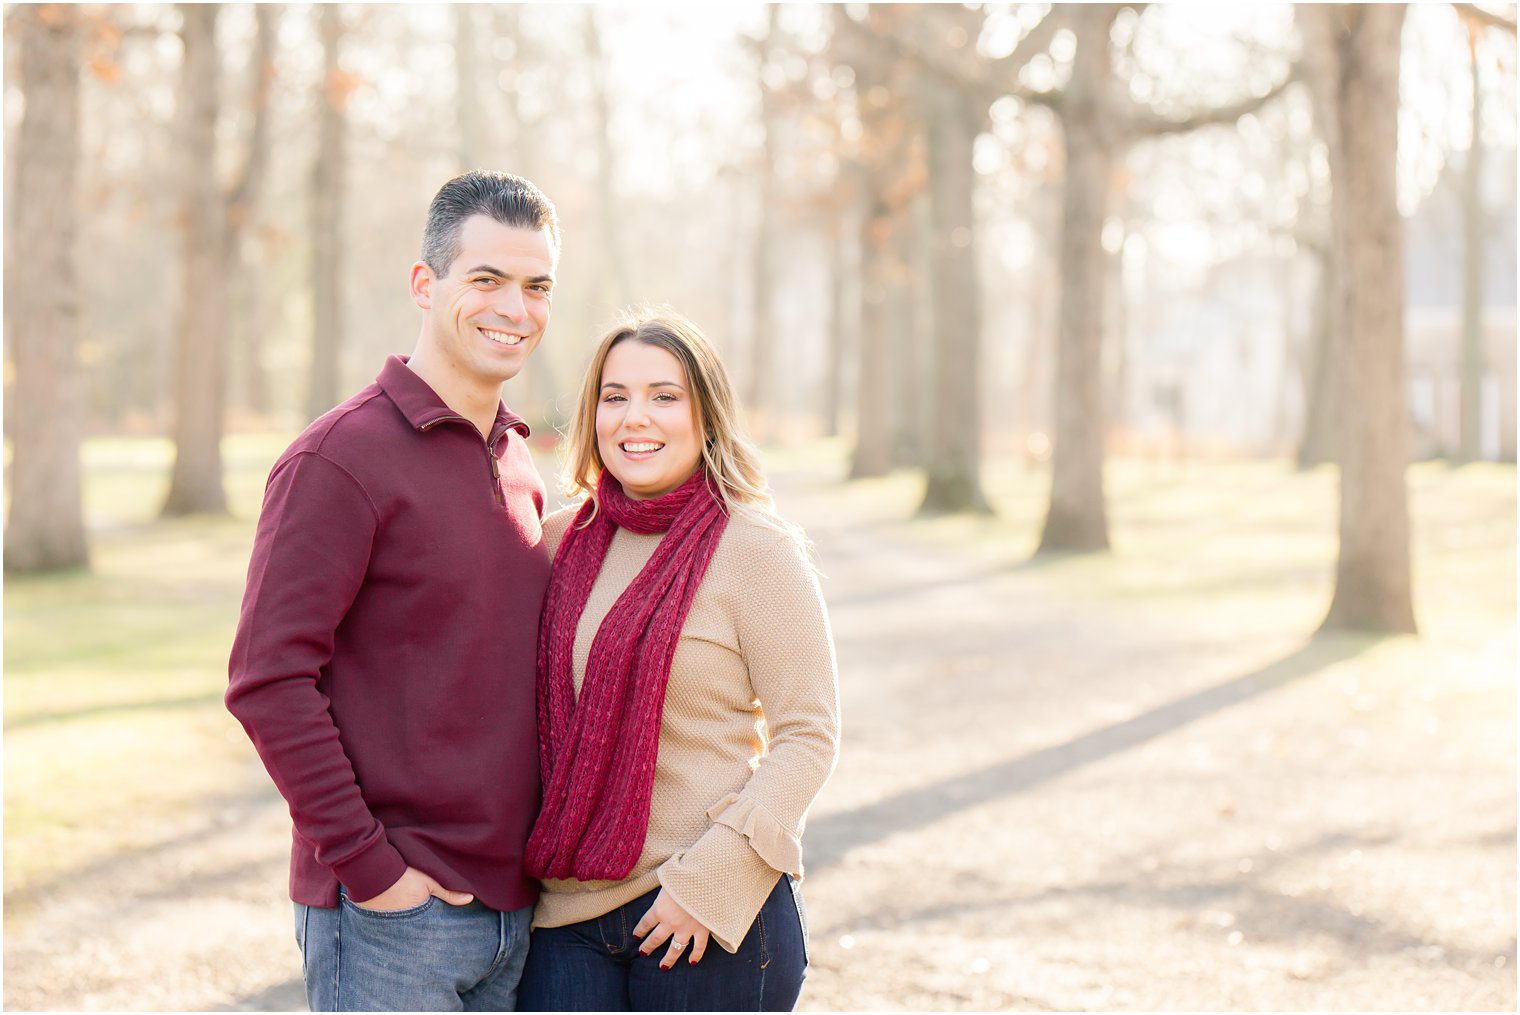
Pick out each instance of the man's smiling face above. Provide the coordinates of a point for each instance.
(487, 313)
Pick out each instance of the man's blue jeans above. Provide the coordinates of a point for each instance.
(595, 965)
(432, 957)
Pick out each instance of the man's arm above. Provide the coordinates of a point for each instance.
(309, 560)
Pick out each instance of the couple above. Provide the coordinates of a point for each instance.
(639, 763)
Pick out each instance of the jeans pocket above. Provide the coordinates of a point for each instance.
(388, 914)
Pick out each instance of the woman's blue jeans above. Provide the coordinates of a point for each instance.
(595, 965)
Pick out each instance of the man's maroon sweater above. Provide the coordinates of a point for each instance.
(384, 661)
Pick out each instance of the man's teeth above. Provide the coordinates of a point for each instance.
(639, 447)
(501, 337)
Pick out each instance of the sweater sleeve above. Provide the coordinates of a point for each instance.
(310, 556)
(755, 835)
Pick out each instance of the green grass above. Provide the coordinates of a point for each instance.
(114, 727)
(116, 736)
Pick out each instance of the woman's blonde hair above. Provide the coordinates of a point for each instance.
(732, 460)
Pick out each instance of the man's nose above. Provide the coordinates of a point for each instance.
(509, 303)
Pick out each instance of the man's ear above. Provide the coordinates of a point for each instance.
(422, 285)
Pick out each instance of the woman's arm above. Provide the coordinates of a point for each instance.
(756, 833)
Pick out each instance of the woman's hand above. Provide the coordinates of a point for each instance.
(667, 921)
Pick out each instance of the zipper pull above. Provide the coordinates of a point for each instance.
(496, 477)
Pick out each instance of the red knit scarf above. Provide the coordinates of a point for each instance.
(598, 753)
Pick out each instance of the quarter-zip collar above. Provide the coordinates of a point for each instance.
(422, 407)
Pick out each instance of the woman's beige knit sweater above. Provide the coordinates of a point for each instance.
(749, 734)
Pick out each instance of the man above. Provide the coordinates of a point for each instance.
(384, 660)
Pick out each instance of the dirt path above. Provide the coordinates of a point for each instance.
(1045, 802)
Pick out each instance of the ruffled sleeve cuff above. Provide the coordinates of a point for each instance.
(777, 845)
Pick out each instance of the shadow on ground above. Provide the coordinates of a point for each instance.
(831, 837)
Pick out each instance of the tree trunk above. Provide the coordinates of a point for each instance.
(840, 220)
(506, 19)
(762, 333)
(45, 530)
(886, 168)
(1372, 582)
(1323, 368)
(1470, 448)
(1078, 515)
(250, 317)
(872, 455)
(195, 485)
(910, 320)
(327, 222)
(467, 89)
(614, 281)
(954, 430)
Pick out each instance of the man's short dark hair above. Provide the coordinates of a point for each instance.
(510, 200)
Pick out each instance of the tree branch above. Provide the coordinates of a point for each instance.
(1145, 122)
(1034, 42)
(261, 69)
(970, 76)
(1488, 19)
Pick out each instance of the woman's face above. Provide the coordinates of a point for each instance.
(646, 426)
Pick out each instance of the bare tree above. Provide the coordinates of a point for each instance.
(468, 106)
(889, 173)
(246, 276)
(327, 218)
(1322, 368)
(195, 484)
(953, 462)
(757, 397)
(1357, 49)
(214, 221)
(1100, 120)
(45, 529)
(840, 217)
(1469, 446)
(1474, 225)
(614, 273)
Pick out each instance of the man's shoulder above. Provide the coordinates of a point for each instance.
(352, 431)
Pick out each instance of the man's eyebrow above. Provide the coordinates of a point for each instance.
(487, 269)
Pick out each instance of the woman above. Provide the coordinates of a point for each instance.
(688, 703)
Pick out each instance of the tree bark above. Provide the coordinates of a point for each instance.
(955, 432)
(195, 484)
(45, 529)
(1077, 519)
(1372, 581)
(327, 221)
